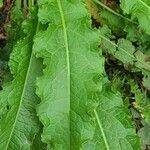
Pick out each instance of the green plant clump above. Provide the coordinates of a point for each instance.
(75, 75)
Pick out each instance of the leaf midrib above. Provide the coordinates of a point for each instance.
(66, 43)
(144, 4)
(20, 104)
(67, 50)
(114, 12)
(102, 130)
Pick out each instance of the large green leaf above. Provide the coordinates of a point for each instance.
(70, 53)
(72, 107)
(18, 121)
(114, 129)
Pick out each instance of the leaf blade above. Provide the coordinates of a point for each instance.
(139, 9)
(17, 100)
(74, 129)
(76, 30)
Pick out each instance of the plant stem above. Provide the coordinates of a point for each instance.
(25, 4)
(18, 4)
(30, 3)
(114, 12)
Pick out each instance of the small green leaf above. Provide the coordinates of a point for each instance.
(124, 51)
(1, 3)
(140, 10)
(144, 134)
(146, 83)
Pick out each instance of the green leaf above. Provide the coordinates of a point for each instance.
(144, 134)
(37, 144)
(139, 9)
(124, 51)
(18, 121)
(146, 83)
(141, 99)
(70, 51)
(113, 122)
(121, 25)
(71, 85)
(117, 24)
(1, 3)
(114, 12)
